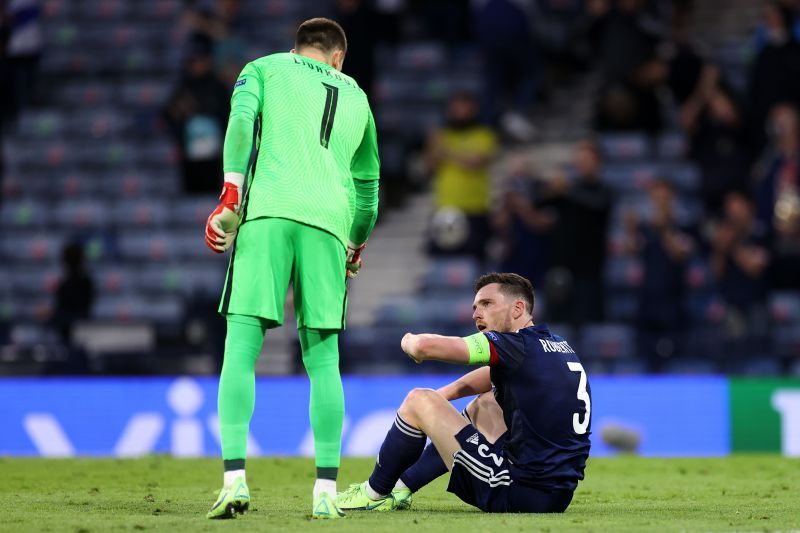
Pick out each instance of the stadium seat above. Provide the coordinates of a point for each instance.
(31, 247)
(81, 214)
(164, 310)
(141, 213)
(691, 366)
(785, 307)
(193, 212)
(33, 280)
(25, 214)
(450, 274)
(786, 340)
(148, 246)
(624, 272)
(624, 146)
(759, 366)
(420, 57)
(671, 146)
(607, 341)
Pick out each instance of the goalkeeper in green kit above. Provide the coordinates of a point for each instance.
(301, 142)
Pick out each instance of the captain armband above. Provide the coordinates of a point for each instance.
(478, 347)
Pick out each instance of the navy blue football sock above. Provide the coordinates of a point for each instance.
(400, 449)
(429, 466)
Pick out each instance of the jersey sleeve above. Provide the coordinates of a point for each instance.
(366, 164)
(506, 350)
(245, 107)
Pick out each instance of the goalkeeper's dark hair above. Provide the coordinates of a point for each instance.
(512, 285)
(321, 33)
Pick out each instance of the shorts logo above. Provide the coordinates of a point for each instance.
(473, 439)
(240, 82)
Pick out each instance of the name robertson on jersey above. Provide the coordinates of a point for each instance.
(325, 71)
(561, 347)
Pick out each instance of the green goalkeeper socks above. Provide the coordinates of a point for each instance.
(237, 385)
(326, 407)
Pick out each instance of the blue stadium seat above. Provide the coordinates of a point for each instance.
(624, 146)
(452, 274)
(81, 214)
(785, 307)
(671, 146)
(624, 272)
(31, 247)
(420, 57)
(759, 366)
(129, 308)
(621, 306)
(150, 93)
(627, 176)
(608, 341)
(193, 212)
(116, 279)
(34, 280)
(25, 214)
(786, 339)
(130, 214)
(147, 246)
(41, 124)
(87, 93)
(691, 366)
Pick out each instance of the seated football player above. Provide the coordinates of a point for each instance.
(522, 444)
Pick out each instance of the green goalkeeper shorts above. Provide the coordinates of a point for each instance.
(268, 254)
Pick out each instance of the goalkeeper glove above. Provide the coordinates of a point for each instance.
(223, 223)
(353, 261)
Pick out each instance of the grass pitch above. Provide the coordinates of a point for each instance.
(741, 493)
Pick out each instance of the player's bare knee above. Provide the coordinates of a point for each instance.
(415, 402)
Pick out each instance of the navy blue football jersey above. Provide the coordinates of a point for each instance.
(546, 400)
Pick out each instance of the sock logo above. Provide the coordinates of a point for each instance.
(473, 439)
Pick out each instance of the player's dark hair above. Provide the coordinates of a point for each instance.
(321, 33)
(512, 285)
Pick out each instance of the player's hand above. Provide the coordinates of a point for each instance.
(353, 260)
(223, 223)
(410, 345)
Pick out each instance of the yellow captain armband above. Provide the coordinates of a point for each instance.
(478, 347)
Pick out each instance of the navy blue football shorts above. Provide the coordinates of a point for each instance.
(481, 477)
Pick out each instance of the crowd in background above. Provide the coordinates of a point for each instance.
(551, 225)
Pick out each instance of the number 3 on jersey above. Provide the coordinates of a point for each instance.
(583, 395)
(331, 99)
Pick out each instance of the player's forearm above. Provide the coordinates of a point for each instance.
(430, 347)
(366, 210)
(476, 382)
(239, 137)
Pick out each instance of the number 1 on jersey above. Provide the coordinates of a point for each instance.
(583, 395)
(331, 98)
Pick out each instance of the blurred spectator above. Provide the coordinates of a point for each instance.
(739, 259)
(778, 196)
(21, 46)
(446, 21)
(624, 36)
(197, 113)
(762, 36)
(75, 292)
(523, 224)
(582, 207)
(360, 24)
(219, 25)
(458, 156)
(511, 62)
(718, 144)
(664, 248)
(775, 74)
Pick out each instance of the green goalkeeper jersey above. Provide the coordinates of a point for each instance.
(302, 132)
